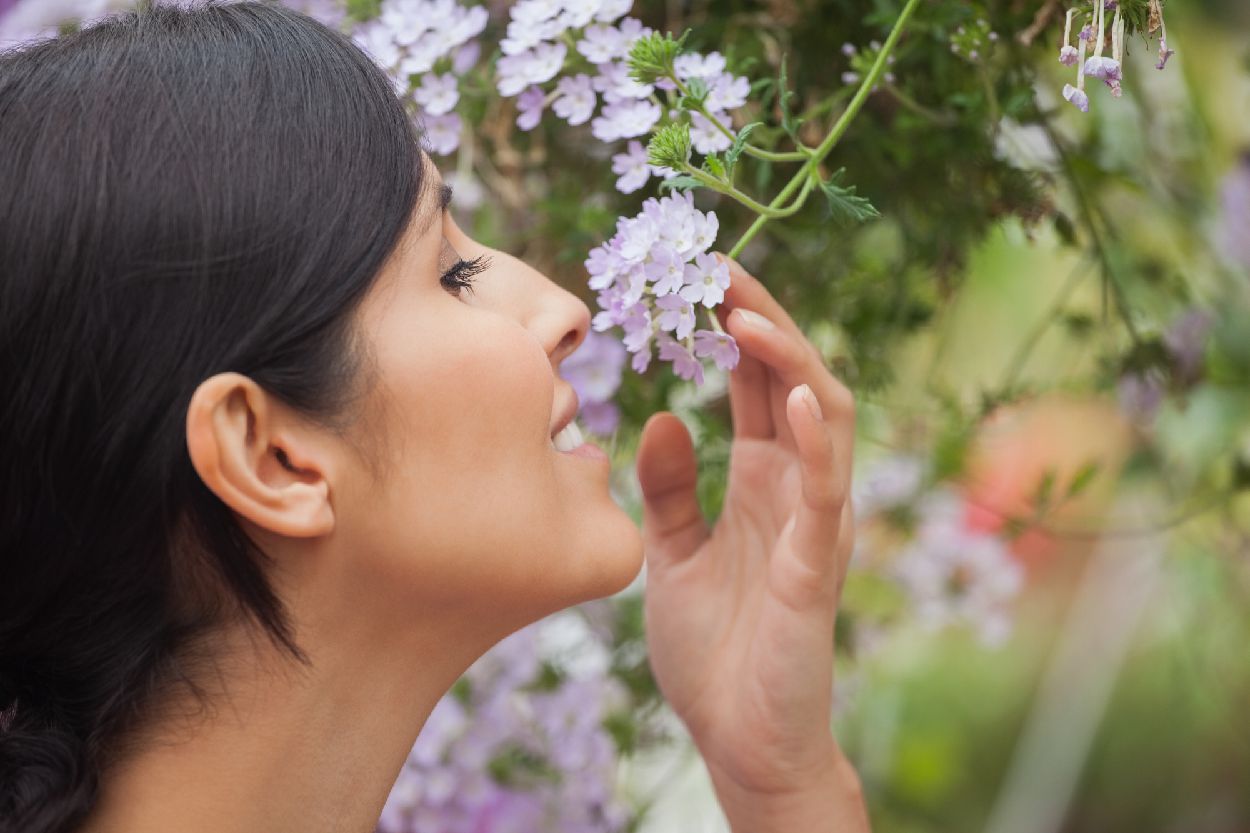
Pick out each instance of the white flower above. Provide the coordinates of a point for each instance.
(437, 93)
(706, 280)
(529, 105)
(694, 65)
(442, 133)
(705, 136)
(632, 168)
(728, 92)
(575, 99)
(610, 10)
(625, 119)
(956, 575)
(616, 84)
(600, 44)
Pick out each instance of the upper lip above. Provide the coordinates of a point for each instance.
(565, 411)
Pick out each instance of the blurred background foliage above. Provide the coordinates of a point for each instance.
(1012, 319)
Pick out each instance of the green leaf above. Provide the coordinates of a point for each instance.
(696, 94)
(789, 122)
(735, 150)
(846, 208)
(363, 10)
(713, 165)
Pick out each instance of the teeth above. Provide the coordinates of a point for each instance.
(569, 438)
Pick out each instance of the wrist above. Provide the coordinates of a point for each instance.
(829, 798)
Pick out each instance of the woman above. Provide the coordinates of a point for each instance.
(279, 463)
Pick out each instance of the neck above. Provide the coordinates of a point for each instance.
(283, 747)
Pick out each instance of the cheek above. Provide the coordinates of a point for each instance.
(470, 475)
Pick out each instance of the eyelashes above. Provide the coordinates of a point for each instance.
(460, 275)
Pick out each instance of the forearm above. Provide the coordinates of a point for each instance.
(832, 802)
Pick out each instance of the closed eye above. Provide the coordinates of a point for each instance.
(460, 275)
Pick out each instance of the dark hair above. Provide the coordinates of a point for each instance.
(182, 192)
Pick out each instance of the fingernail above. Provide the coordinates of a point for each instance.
(812, 404)
(755, 319)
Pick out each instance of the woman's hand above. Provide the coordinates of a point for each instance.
(740, 619)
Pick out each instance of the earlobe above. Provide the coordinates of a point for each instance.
(256, 459)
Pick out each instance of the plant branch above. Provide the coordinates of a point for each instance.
(822, 150)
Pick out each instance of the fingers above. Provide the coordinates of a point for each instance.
(819, 516)
(672, 522)
(792, 360)
(746, 291)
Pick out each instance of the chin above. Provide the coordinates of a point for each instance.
(614, 556)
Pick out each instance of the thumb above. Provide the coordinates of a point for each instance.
(672, 522)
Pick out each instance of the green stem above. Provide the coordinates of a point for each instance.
(809, 170)
(721, 187)
(800, 155)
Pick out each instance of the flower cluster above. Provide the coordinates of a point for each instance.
(517, 746)
(862, 61)
(1108, 69)
(956, 575)
(539, 69)
(427, 46)
(651, 278)
(594, 370)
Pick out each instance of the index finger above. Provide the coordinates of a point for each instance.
(745, 290)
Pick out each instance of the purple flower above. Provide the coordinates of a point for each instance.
(1078, 97)
(719, 347)
(666, 270)
(728, 92)
(694, 65)
(637, 326)
(1067, 56)
(594, 370)
(632, 168)
(1164, 53)
(624, 119)
(442, 133)
(575, 99)
(677, 316)
(530, 105)
(1086, 33)
(437, 94)
(706, 136)
(1108, 69)
(616, 84)
(685, 365)
(706, 281)
(1139, 395)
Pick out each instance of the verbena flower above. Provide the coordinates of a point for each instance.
(955, 575)
(530, 105)
(651, 274)
(510, 750)
(425, 46)
(594, 370)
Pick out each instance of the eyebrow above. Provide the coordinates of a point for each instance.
(428, 216)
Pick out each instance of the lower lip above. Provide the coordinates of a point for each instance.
(589, 450)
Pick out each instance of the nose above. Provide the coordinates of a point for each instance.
(562, 323)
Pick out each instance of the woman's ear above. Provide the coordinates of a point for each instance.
(263, 463)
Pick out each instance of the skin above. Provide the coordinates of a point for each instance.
(445, 520)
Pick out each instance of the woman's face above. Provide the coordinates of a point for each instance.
(470, 507)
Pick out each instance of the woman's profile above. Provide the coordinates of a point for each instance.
(280, 456)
